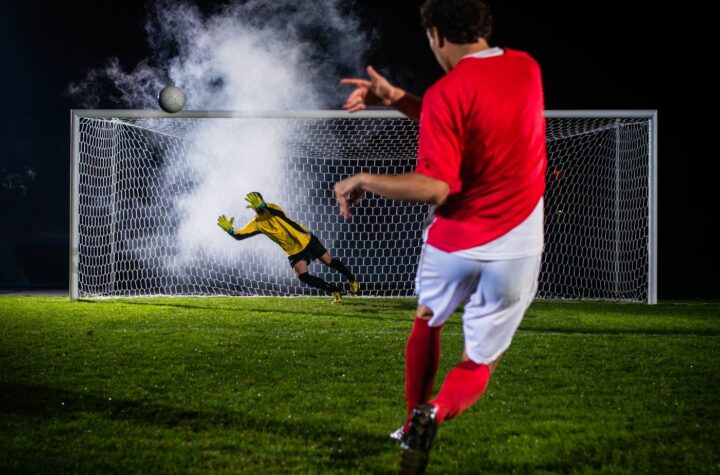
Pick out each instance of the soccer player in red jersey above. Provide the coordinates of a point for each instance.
(481, 162)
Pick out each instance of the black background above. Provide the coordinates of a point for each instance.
(594, 55)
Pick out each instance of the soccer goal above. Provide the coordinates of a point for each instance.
(147, 187)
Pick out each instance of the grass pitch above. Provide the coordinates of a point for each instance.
(263, 385)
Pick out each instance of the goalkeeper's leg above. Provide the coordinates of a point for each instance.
(301, 271)
(318, 251)
(339, 266)
(317, 282)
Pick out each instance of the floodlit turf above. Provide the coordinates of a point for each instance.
(223, 385)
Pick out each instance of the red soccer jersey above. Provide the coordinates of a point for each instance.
(482, 131)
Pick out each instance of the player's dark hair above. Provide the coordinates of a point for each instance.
(458, 21)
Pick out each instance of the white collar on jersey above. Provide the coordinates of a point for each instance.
(486, 53)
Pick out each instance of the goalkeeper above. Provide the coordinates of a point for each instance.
(300, 245)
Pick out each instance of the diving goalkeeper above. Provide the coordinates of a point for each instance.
(298, 242)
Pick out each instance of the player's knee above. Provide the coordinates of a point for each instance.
(424, 312)
(300, 268)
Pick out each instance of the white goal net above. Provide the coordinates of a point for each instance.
(148, 187)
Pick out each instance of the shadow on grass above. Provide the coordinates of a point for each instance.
(369, 309)
(346, 450)
(359, 302)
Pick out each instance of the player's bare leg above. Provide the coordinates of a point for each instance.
(301, 272)
(339, 266)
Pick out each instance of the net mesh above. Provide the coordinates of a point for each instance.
(143, 182)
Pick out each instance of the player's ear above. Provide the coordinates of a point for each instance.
(434, 37)
(439, 38)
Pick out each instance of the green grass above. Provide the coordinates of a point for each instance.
(261, 385)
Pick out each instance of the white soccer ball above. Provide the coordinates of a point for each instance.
(171, 99)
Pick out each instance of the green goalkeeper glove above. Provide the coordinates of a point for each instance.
(256, 202)
(226, 224)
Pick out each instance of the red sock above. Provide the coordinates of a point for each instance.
(422, 355)
(463, 387)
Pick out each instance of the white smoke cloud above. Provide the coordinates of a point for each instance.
(228, 162)
(255, 55)
(251, 55)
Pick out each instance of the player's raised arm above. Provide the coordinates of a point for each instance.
(376, 90)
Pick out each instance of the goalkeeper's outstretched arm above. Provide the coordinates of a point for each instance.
(249, 230)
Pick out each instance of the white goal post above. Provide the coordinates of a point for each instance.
(147, 186)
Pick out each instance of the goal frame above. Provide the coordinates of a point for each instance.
(76, 114)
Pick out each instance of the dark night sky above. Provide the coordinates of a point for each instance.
(594, 55)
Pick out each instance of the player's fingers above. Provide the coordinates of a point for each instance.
(354, 102)
(356, 108)
(342, 202)
(374, 75)
(357, 95)
(355, 196)
(351, 104)
(355, 82)
(345, 209)
(341, 199)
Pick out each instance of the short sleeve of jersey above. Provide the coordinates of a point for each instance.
(439, 145)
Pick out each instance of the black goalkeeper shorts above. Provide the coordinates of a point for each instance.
(312, 251)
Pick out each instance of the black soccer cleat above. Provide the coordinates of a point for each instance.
(398, 435)
(419, 440)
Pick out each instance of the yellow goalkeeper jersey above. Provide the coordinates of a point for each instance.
(272, 222)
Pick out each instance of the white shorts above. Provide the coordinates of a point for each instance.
(497, 293)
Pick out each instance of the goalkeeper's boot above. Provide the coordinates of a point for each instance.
(419, 439)
(354, 287)
(336, 297)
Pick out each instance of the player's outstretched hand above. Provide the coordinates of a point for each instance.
(255, 201)
(348, 192)
(224, 223)
(369, 92)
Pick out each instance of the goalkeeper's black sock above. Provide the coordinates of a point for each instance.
(317, 282)
(340, 267)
